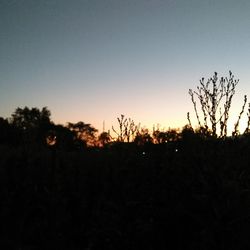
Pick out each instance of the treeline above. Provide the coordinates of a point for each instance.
(34, 127)
(212, 102)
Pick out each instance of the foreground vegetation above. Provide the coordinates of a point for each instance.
(65, 187)
(190, 194)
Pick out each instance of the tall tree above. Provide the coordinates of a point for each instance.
(27, 118)
(33, 123)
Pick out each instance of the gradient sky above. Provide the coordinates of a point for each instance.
(92, 60)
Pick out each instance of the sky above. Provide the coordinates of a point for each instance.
(92, 60)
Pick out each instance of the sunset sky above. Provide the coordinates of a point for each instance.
(92, 60)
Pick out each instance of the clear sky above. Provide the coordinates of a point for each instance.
(92, 60)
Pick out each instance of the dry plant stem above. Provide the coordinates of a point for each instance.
(248, 120)
(191, 93)
(120, 133)
(189, 121)
(229, 89)
(127, 129)
(236, 126)
(130, 129)
(212, 95)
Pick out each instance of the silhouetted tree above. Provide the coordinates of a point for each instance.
(215, 97)
(165, 136)
(5, 131)
(33, 123)
(31, 118)
(172, 135)
(104, 138)
(187, 132)
(143, 137)
(159, 137)
(84, 132)
(63, 138)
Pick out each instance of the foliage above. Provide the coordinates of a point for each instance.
(84, 132)
(165, 136)
(32, 124)
(31, 118)
(62, 138)
(143, 137)
(104, 138)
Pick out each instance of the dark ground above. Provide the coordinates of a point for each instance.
(191, 194)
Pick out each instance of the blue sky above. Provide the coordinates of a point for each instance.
(92, 60)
